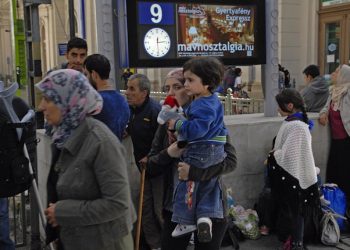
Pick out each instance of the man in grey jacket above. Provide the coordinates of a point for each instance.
(316, 92)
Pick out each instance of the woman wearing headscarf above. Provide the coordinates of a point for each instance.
(90, 202)
(337, 113)
(163, 160)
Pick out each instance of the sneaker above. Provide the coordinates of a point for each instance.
(181, 230)
(298, 246)
(204, 229)
(264, 230)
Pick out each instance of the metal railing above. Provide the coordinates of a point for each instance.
(232, 105)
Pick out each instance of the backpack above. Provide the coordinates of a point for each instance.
(14, 165)
(330, 232)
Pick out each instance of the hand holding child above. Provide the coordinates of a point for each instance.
(183, 169)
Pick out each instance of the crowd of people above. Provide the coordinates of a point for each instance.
(89, 201)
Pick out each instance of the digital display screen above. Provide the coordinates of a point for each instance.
(167, 33)
(211, 30)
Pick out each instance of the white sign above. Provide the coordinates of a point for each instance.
(330, 58)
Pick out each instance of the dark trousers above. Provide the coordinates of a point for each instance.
(298, 230)
(181, 243)
(152, 211)
(5, 242)
(337, 168)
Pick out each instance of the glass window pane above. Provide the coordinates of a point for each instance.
(332, 47)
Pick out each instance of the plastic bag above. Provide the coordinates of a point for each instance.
(337, 200)
(247, 221)
(330, 234)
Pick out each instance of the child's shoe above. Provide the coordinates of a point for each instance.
(181, 230)
(204, 232)
(298, 246)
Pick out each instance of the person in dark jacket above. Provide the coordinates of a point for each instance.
(316, 92)
(20, 108)
(143, 116)
(163, 161)
(141, 127)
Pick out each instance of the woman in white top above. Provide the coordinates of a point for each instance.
(293, 175)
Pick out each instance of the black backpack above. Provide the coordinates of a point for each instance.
(15, 176)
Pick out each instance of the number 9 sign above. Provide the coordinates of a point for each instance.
(156, 13)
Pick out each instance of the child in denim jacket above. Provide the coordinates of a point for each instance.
(205, 133)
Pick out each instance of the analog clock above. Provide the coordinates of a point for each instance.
(157, 42)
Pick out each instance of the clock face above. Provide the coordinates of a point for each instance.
(157, 42)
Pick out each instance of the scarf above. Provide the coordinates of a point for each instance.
(299, 116)
(341, 86)
(72, 93)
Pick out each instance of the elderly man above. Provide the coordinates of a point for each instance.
(142, 128)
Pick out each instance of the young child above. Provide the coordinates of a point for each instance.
(292, 172)
(205, 133)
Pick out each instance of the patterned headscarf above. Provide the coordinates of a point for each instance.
(72, 93)
(341, 86)
(177, 74)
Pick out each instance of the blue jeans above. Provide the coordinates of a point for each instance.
(5, 242)
(193, 200)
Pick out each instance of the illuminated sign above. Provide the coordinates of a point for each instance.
(167, 33)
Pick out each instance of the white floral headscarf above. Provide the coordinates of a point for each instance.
(72, 93)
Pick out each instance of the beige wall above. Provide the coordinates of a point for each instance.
(91, 33)
(6, 67)
(6, 53)
(298, 30)
(251, 136)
